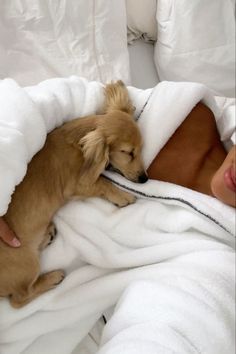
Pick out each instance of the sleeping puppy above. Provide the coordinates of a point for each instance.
(69, 165)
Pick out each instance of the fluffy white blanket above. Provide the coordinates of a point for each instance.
(176, 243)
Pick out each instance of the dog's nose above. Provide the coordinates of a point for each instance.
(143, 178)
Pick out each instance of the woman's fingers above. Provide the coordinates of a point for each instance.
(7, 235)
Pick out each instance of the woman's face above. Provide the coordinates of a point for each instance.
(223, 184)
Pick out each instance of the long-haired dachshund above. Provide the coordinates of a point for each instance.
(69, 165)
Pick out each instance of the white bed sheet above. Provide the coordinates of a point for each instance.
(142, 67)
(46, 39)
(196, 42)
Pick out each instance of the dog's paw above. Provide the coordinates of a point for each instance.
(124, 199)
(51, 232)
(49, 236)
(55, 277)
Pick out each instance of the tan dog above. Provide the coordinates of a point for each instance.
(69, 165)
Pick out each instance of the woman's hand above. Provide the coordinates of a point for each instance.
(7, 235)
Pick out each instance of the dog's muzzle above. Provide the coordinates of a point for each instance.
(143, 178)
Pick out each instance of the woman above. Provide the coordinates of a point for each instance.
(7, 235)
(223, 183)
(194, 157)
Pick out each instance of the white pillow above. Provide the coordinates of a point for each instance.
(141, 19)
(196, 42)
(44, 39)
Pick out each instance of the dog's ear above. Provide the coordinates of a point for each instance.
(95, 153)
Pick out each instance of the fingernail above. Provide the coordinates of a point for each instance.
(15, 242)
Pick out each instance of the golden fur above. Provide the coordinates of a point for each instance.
(69, 165)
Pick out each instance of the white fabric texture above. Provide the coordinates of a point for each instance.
(196, 42)
(45, 39)
(154, 316)
(141, 20)
(226, 121)
(142, 71)
(178, 241)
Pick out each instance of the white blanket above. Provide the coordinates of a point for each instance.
(177, 242)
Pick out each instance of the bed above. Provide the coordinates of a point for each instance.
(159, 275)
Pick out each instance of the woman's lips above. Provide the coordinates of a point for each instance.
(230, 178)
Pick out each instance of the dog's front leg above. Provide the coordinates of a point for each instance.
(110, 192)
(105, 189)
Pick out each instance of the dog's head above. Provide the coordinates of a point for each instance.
(114, 144)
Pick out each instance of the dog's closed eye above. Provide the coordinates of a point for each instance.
(130, 153)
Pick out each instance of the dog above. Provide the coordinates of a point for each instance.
(69, 165)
